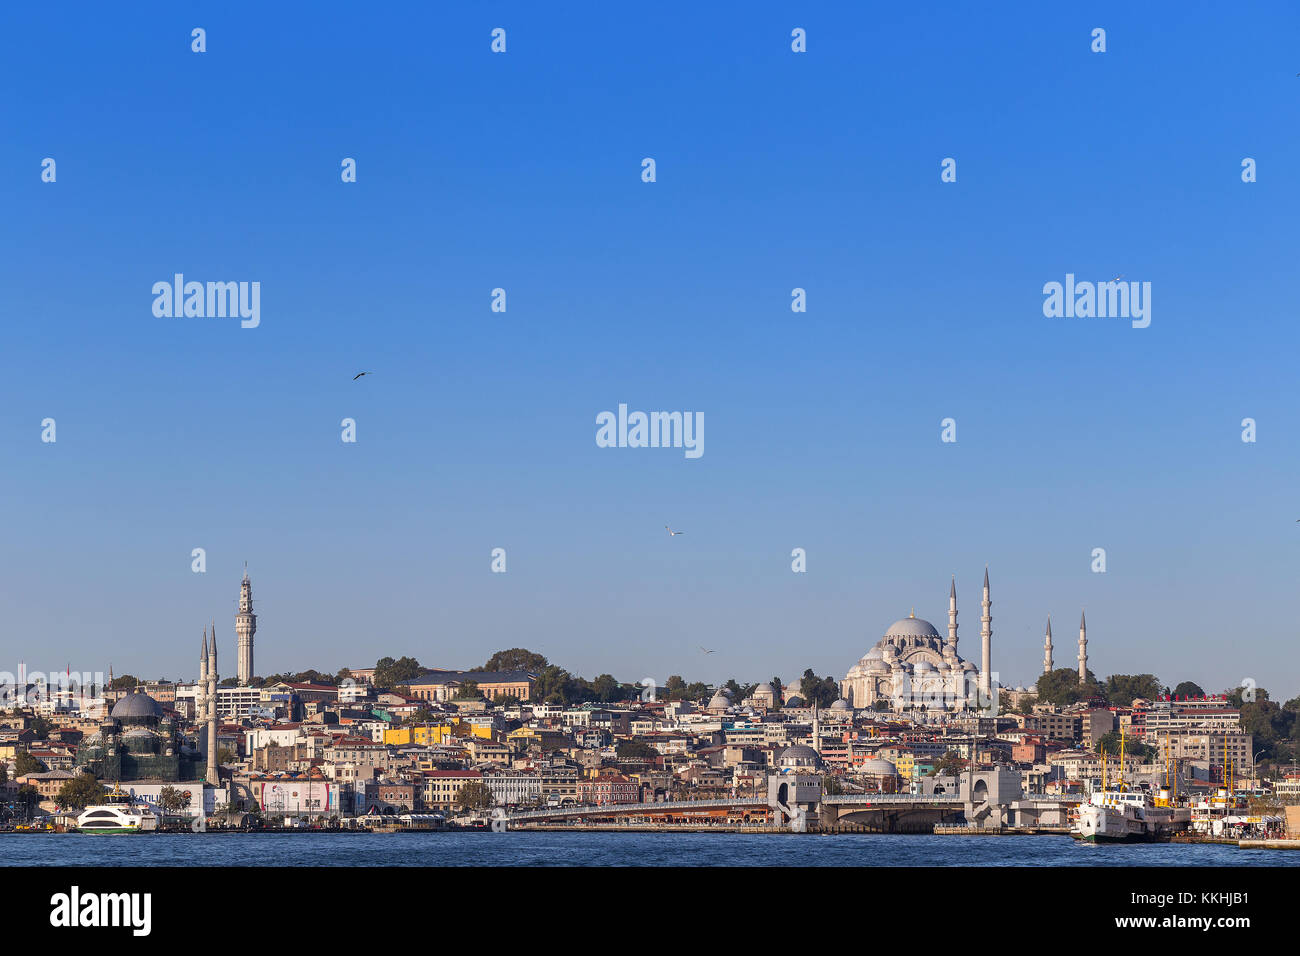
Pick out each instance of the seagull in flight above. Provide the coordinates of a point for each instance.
(672, 533)
(358, 375)
(706, 650)
(1118, 277)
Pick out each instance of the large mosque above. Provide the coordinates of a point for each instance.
(914, 666)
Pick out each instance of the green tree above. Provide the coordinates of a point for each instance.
(1026, 706)
(172, 801)
(80, 792)
(468, 691)
(391, 673)
(1270, 724)
(475, 795)
(124, 682)
(606, 689)
(1062, 687)
(515, 659)
(25, 763)
(697, 690)
(41, 728)
(674, 688)
(1123, 689)
(628, 749)
(552, 685)
(1110, 744)
(822, 691)
(740, 691)
(950, 763)
(1188, 689)
(423, 715)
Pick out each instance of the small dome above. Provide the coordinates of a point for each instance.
(841, 704)
(879, 767)
(136, 704)
(765, 691)
(798, 755)
(719, 701)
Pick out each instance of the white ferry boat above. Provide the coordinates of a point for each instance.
(1122, 816)
(116, 815)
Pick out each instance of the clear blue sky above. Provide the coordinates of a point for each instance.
(476, 430)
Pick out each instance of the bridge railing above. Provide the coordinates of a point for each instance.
(593, 809)
(895, 798)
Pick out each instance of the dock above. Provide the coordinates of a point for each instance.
(1269, 844)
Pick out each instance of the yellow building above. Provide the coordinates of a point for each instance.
(428, 735)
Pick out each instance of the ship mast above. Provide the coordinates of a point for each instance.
(1121, 758)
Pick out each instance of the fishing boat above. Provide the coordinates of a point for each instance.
(117, 814)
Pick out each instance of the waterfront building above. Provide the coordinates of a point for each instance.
(513, 787)
(139, 742)
(295, 795)
(441, 786)
(608, 788)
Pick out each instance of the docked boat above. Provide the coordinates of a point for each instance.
(1122, 816)
(117, 814)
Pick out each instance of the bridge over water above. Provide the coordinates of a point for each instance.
(884, 812)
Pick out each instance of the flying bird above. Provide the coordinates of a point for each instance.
(706, 650)
(673, 533)
(358, 375)
(1118, 277)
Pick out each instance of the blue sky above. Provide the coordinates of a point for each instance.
(476, 430)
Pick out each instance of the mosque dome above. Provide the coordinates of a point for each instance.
(841, 704)
(136, 705)
(911, 627)
(879, 767)
(765, 692)
(797, 756)
(719, 701)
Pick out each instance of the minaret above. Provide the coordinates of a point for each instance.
(245, 628)
(817, 730)
(1047, 648)
(201, 693)
(952, 614)
(211, 775)
(986, 640)
(1083, 649)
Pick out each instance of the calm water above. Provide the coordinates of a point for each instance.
(605, 849)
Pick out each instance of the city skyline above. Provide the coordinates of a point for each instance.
(477, 429)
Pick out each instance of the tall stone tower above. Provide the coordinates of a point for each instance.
(201, 697)
(1047, 648)
(1083, 649)
(245, 628)
(211, 774)
(986, 641)
(952, 614)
